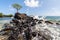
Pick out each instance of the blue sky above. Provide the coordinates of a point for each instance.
(32, 7)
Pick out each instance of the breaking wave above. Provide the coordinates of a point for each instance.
(51, 29)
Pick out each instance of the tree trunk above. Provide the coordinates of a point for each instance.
(17, 10)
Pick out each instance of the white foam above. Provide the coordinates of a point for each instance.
(53, 30)
(2, 22)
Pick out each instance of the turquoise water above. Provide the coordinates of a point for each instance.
(7, 19)
(4, 20)
(53, 17)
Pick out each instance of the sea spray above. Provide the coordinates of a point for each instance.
(52, 31)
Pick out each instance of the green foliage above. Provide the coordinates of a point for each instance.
(10, 15)
(17, 6)
(1, 14)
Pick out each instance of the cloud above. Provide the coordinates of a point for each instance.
(32, 3)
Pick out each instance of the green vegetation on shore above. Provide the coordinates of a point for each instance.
(2, 15)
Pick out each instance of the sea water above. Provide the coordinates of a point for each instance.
(4, 20)
(53, 29)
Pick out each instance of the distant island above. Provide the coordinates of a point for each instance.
(3, 15)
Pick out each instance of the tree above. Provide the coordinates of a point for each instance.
(1, 14)
(10, 15)
(17, 6)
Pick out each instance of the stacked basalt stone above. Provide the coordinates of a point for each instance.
(20, 28)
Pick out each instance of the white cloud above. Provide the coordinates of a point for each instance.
(32, 3)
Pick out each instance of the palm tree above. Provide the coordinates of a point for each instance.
(17, 6)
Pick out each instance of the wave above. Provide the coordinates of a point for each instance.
(51, 29)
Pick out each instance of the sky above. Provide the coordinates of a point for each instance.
(32, 7)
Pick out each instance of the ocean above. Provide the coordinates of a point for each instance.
(51, 18)
(4, 20)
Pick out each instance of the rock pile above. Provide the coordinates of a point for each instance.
(22, 28)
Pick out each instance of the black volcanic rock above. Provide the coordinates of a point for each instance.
(20, 16)
(57, 23)
(48, 22)
(17, 15)
(22, 28)
(39, 22)
(34, 34)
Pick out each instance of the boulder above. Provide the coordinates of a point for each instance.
(48, 22)
(20, 16)
(57, 23)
